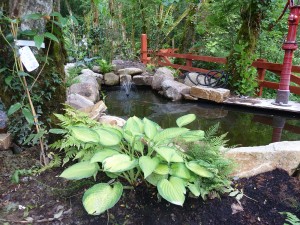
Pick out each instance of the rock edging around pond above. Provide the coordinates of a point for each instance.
(251, 160)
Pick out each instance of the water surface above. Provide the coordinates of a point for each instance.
(245, 128)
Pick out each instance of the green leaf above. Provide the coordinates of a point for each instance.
(38, 40)
(194, 188)
(140, 123)
(103, 154)
(162, 169)
(150, 128)
(199, 170)
(185, 120)
(118, 163)
(133, 126)
(171, 193)
(85, 134)
(3, 69)
(116, 130)
(8, 80)
(14, 108)
(101, 197)
(154, 178)
(55, 14)
(57, 131)
(28, 115)
(192, 136)
(169, 154)
(29, 32)
(51, 37)
(33, 16)
(148, 164)
(169, 133)
(80, 170)
(107, 138)
(23, 74)
(180, 170)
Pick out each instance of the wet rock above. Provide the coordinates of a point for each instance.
(111, 79)
(121, 64)
(142, 80)
(255, 160)
(112, 120)
(5, 141)
(88, 90)
(212, 94)
(174, 89)
(125, 78)
(131, 71)
(189, 97)
(161, 74)
(78, 101)
(94, 111)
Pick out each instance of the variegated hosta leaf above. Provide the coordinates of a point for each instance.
(185, 120)
(116, 130)
(150, 128)
(169, 154)
(85, 134)
(178, 183)
(118, 163)
(148, 164)
(103, 154)
(101, 197)
(154, 178)
(133, 126)
(180, 170)
(192, 136)
(199, 170)
(169, 133)
(162, 169)
(139, 123)
(170, 191)
(80, 170)
(107, 138)
(194, 188)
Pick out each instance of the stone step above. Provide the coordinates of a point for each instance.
(212, 94)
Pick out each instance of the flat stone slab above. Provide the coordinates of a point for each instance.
(212, 94)
(263, 104)
(255, 160)
(5, 141)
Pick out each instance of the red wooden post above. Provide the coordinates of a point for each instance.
(261, 77)
(289, 46)
(144, 49)
(278, 125)
(188, 62)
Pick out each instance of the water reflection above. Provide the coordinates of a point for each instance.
(244, 128)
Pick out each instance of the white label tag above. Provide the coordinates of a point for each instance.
(28, 59)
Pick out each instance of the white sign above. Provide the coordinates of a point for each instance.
(27, 43)
(28, 59)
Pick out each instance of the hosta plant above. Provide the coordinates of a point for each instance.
(142, 149)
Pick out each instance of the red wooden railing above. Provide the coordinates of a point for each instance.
(161, 58)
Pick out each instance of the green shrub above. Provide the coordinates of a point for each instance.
(165, 158)
(105, 67)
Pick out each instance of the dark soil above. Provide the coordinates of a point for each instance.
(47, 199)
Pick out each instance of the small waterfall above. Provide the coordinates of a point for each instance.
(126, 86)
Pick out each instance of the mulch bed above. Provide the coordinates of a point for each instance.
(47, 199)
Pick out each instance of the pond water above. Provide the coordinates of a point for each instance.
(245, 128)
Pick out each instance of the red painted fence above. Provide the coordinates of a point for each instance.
(161, 58)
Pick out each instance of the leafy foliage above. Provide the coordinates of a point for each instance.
(166, 158)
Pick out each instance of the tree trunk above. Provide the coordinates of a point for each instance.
(52, 76)
(251, 14)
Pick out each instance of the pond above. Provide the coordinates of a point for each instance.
(244, 127)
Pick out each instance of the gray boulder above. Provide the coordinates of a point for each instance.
(131, 71)
(87, 72)
(88, 90)
(78, 101)
(111, 79)
(142, 80)
(161, 74)
(96, 69)
(89, 79)
(174, 90)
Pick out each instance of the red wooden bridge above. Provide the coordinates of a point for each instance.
(161, 58)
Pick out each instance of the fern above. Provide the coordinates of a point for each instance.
(55, 162)
(291, 218)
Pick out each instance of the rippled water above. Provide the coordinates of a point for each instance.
(246, 128)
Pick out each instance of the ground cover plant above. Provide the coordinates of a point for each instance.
(141, 151)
